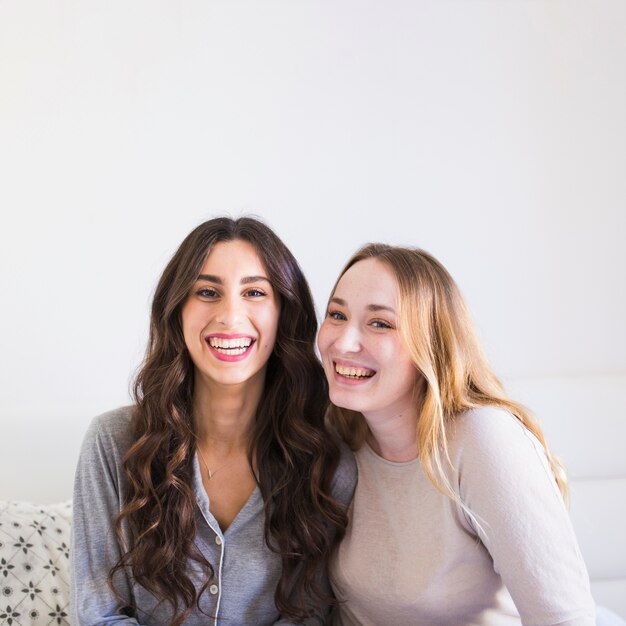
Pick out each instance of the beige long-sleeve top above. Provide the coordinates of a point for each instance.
(413, 556)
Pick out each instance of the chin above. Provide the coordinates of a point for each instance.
(347, 401)
(231, 378)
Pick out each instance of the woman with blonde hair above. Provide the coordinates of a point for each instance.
(459, 514)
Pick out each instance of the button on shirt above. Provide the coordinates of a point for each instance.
(246, 571)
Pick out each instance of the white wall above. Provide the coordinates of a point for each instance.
(491, 133)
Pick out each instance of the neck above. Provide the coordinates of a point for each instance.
(395, 440)
(224, 415)
(393, 435)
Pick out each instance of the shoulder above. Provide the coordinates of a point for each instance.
(113, 425)
(490, 443)
(100, 464)
(344, 480)
(109, 434)
(488, 429)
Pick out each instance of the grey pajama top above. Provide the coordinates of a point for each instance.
(246, 571)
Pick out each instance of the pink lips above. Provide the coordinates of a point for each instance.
(230, 358)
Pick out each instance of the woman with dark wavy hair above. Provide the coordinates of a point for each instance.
(219, 495)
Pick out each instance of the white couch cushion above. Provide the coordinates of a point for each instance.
(598, 510)
(584, 418)
(34, 563)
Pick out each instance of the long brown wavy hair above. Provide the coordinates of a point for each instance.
(437, 330)
(294, 457)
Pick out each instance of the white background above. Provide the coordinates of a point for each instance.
(491, 133)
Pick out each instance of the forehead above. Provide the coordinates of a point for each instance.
(233, 257)
(369, 281)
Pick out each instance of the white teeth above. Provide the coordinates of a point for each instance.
(230, 346)
(354, 372)
(231, 351)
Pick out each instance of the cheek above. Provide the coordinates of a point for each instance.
(387, 354)
(324, 338)
(195, 315)
(398, 361)
(407, 377)
(270, 326)
(188, 319)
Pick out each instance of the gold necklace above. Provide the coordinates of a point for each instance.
(209, 472)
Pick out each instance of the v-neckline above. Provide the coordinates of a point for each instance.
(203, 500)
(252, 499)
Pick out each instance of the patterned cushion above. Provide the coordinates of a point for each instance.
(34, 563)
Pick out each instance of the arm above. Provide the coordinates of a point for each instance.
(504, 477)
(95, 549)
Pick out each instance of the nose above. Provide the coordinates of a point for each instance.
(348, 339)
(229, 312)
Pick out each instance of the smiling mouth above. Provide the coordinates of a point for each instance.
(354, 373)
(230, 347)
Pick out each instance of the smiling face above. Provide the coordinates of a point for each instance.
(230, 317)
(366, 362)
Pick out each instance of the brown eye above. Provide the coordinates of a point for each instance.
(207, 292)
(255, 293)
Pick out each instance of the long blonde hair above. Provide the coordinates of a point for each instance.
(438, 332)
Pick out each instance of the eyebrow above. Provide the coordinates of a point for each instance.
(246, 280)
(369, 307)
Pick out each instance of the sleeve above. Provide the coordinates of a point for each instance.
(342, 489)
(95, 548)
(517, 511)
(345, 479)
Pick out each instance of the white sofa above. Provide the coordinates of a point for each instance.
(585, 423)
(34, 567)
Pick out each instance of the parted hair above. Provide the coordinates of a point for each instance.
(438, 333)
(294, 456)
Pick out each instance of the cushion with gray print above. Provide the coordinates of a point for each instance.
(34, 563)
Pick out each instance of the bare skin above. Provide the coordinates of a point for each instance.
(229, 323)
(360, 333)
(227, 416)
